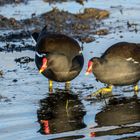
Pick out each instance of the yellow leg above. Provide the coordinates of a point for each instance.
(50, 85)
(136, 89)
(67, 85)
(103, 90)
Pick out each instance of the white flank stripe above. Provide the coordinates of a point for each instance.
(136, 62)
(40, 55)
(129, 59)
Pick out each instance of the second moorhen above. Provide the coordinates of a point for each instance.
(119, 65)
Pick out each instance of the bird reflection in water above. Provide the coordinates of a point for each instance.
(121, 113)
(60, 112)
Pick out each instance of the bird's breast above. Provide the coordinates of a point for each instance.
(118, 72)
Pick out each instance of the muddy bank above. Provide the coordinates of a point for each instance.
(82, 26)
(59, 19)
(56, 1)
(2, 2)
(11, 23)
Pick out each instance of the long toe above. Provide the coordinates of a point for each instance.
(102, 91)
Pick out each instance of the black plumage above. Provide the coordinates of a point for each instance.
(63, 54)
(119, 65)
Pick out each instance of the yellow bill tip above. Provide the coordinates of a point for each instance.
(40, 71)
(87, 73)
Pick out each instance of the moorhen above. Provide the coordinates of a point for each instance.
(58, 56)
(119, 65)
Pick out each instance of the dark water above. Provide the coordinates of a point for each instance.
(28, 112)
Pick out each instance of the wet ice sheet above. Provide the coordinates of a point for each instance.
(20, 121)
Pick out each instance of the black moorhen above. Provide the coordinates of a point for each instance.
(119, 65)
(58, 57)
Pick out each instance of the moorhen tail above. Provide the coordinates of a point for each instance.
(119, 65)
(58, 56)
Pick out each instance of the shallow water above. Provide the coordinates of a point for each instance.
(24, 102)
